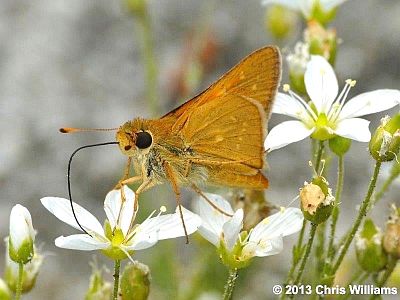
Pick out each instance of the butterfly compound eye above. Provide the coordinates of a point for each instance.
(143, 140)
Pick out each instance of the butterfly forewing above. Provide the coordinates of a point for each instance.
(257, 76)
(224, 126)
(229, 128)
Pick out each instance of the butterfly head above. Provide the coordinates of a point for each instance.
(133, 138)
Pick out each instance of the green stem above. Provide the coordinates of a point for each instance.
(319, 249)
(307, 253)
(296, 260)
(394, 173)
(335, 211)
(18, 290)
(385, 276)
(361, 214)
(143, 24)
(230, 284)
(117, 267)
(318, 156)
(389, 270)
(357, 278)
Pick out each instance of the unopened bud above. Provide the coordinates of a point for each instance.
(30, 272)
(136, 7)
(22, 235)
(316, 200)
(369, 251)
(339, 145)
(385, 142)
(321, 41)
(321, 15)
(135, 282)
(391, 238)
(280, 21)
(99, 289)
(297, 62)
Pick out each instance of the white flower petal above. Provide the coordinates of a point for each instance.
(143, 242)
(21, 228)
(287, 221)
(286, 105)
(171, 225)
(164, 227)
(212, 219)
(370, 102)
(232, 228)
(61, 208)
(286, 133)
(80, 242)
(321, 83)
(356, 129)
(112, 207)
(331, 4)
(273, 246)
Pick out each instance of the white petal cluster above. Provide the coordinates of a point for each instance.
(327, 114)
(263, 240)
(119, 215)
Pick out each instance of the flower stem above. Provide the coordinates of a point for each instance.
(394, 173)
(361, 214)
(18, 290)
(296, 258)
(230, 284)
(143, 25)
(385, 276)
(319, 250)
(313, 230)
(117, 267)
(335, 211)
(389, 270)
(318, 155)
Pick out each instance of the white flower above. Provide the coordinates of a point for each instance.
(326, 115)
(22, 235)
(306, 7)
(263, 240)
(117, 240)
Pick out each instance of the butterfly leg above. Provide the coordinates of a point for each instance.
(198, 191)
(172, 178)
(146, 184)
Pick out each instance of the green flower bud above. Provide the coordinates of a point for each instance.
(368, 242)
(136, 7)
(320, 15)
(297, 62)
(22, 235)
(135, 281)
(321, 41)
(280, 21)
(339, 145)
(99, 289)
(391, 238)
(31, 271)
(5, 293)
(316, 200)
(385, 142)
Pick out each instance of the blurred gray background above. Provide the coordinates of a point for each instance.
(77, 63)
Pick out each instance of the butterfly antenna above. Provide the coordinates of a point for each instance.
(69, 179)
(74, 130)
